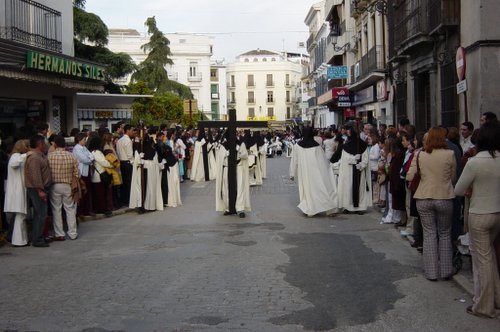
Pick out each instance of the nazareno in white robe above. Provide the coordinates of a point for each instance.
(174, 186)
(136, 183)
(153, 200)
(316, 189)
(16, 199)
(255, 171)
(263, 160)
(197, 167)
(221, 181)
(345, 184)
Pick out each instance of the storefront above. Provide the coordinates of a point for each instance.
(338, 100)
(96, 110)
(40, 86)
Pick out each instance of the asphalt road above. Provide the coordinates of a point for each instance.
(192, 269)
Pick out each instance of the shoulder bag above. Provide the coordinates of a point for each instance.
(416, 179)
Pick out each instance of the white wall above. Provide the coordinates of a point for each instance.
(66, 9)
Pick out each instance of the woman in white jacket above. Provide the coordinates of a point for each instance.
(15, 200)
(102, 197)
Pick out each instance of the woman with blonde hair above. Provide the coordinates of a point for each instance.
(15, 201)
(434, 197)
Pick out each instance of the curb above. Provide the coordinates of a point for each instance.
(102, 216)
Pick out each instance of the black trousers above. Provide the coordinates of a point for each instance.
(126, 170)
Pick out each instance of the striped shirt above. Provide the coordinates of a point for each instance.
(63, 166)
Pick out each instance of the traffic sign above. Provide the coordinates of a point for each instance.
(461, 63)
(461, 87)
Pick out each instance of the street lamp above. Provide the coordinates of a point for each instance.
(379, 6)
(336, 48)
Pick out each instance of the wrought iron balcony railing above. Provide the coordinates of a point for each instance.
(31, 23)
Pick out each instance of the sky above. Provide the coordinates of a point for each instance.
(237, 26)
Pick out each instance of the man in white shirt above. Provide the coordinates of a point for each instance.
(125, 153)
(466, 130)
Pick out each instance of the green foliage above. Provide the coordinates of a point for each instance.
(163, 107)
(89, 27)
(91, 37)
(152, 69)
(181, 90)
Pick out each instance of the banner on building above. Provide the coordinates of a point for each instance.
(337, 72)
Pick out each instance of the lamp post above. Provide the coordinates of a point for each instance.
(379, 6)
(336, 48)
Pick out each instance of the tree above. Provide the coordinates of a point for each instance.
(91, 38)
(164, 106)
(152, 70)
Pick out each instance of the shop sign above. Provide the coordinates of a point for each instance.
(104, 114)
(349, 113)
(337, 72)
(59, 65)
(342, 96)
(364, 96)
(381, 90)
(261, 118)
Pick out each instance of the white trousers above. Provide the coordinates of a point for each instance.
(60, 196)
(19, 233)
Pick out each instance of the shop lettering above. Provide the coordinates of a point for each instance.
(261, 118)
(58, 65)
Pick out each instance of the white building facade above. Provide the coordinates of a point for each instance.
(264, 85)
(191, 56)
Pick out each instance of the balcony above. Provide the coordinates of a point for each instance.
(194, 78)
(289, 84)
(311, 42)
(370, 69)
(215, 95)
(443, 13)
(410, 25)
(31, 23)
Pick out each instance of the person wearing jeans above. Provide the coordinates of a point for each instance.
(38, 179)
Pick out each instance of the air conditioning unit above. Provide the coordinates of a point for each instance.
(301, 45)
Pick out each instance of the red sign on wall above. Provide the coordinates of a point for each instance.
(342, 92)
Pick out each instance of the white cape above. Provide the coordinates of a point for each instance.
(345, 185)
(221, 183)
(174, 186)
(255, 170)
(314, 179)
(153, 199)
(136, 183)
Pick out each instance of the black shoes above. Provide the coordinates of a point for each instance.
(241, 214)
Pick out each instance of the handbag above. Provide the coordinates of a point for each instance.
(416, 179)
(106, 178)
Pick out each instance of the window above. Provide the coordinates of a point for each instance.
(233, 84)
(269, 80)
(273, 59)
(213, 73)
(214, 88)
(193, 69)
(215, 111)
(288, 96)
(264, 60)
(250, 80)
(233, 97)
(251, 97)
(246, 60)
(449, 111)
(288, 113)
(251, 112)
(270, 97)
(182, 41)
(255, 59)
(270, 111)
(287, 80)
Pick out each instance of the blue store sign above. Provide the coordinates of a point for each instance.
(336, 72)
